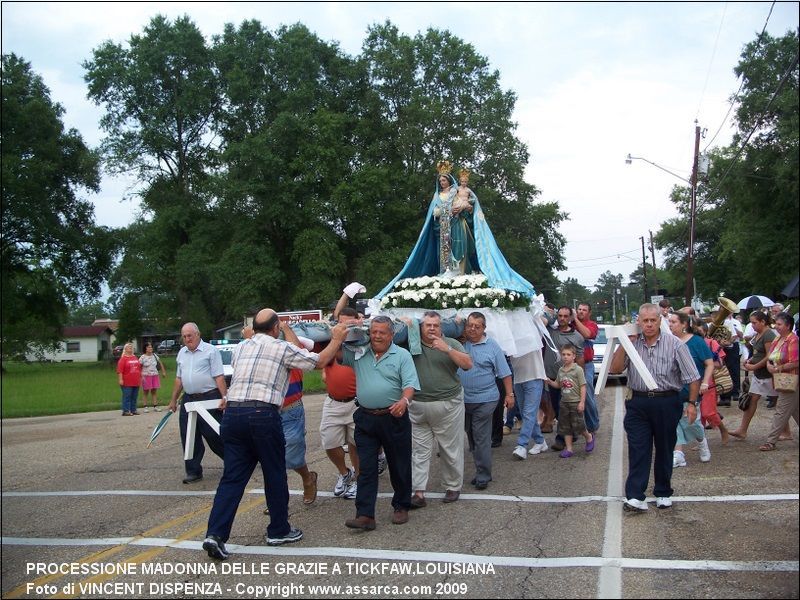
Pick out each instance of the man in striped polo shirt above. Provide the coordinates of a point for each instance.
(651, 416)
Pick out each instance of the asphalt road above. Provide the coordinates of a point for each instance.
(88, 511)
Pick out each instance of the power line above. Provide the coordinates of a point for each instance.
(741, 85)
(599, 257)
(711, 61)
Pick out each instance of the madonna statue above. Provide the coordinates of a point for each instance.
(456, 240)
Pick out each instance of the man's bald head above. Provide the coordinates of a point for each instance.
(266, 320)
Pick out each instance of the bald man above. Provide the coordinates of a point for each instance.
(253, 432)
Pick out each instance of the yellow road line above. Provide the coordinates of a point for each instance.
(153, 552)
(21, 590)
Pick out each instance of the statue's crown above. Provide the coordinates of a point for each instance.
(444, 167)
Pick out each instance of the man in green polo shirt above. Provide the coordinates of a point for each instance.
(385, 383)
(438, 411)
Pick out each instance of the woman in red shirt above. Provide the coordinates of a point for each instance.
(130, 378)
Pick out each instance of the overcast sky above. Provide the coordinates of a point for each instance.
(594, 82)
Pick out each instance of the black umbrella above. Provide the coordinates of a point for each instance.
(791, 291)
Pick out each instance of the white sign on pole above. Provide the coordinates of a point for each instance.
(656, 299)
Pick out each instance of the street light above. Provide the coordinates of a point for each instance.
(689, 289)
(629, 159)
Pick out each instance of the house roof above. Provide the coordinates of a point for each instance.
(86, 331)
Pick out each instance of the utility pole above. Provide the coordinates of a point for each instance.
(689, 290)
(653, 256)
(644, 270)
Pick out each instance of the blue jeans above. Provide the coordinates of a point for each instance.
(651, 422)
(251, 435)
(294, 431)
(129, 395)
(529, 395)
(194, 466)
(590, 412)
(394, 435)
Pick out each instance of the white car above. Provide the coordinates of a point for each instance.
(226, 352)
(600, 343)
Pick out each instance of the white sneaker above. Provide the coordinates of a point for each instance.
(351, 491)
(146, 409)
(678, 459)
(157, 409)
(663, 502)
(342, 481)
(520, 453)
(538, 448)
(705, 453)
(634, 505)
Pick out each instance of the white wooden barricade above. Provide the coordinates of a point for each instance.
(618, 334)
(200, 407)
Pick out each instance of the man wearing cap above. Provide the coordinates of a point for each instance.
(652, 416)
(385, 383)
(253, 432)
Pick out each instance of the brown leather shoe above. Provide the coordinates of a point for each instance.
(361, 522)
(451, 496)
(400, 516)
(418, 501)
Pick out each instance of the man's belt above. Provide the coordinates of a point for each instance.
(251, 404)
(375, 411)
(209, 395)
(292, 405)
(350, 399)
(655, 393)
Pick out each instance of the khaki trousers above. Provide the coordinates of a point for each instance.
(442, 422)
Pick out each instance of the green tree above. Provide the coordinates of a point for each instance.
(160, 94)
(131, 325)
(86, 313)
(53, 253)
(748, 211)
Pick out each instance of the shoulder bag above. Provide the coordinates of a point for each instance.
(723, 380)
(784, 382)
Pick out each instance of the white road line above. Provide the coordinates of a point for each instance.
(405, 555)
(609, 583)
(526, 499)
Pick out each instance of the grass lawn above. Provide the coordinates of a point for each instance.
(39, 389)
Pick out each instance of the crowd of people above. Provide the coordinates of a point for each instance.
(396, 408)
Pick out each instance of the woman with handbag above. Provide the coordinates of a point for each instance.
(761, 378)
(708, 402)
(782, 363)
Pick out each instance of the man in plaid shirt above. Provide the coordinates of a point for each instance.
(252, 431)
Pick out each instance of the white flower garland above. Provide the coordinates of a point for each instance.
(463, 291)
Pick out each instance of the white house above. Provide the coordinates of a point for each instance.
(85, 343)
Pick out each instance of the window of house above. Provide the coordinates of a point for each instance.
(73, 346)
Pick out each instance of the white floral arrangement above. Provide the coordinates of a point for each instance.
(462, 291)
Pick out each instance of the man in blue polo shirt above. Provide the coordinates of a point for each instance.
(480, 394)
(385, 383)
